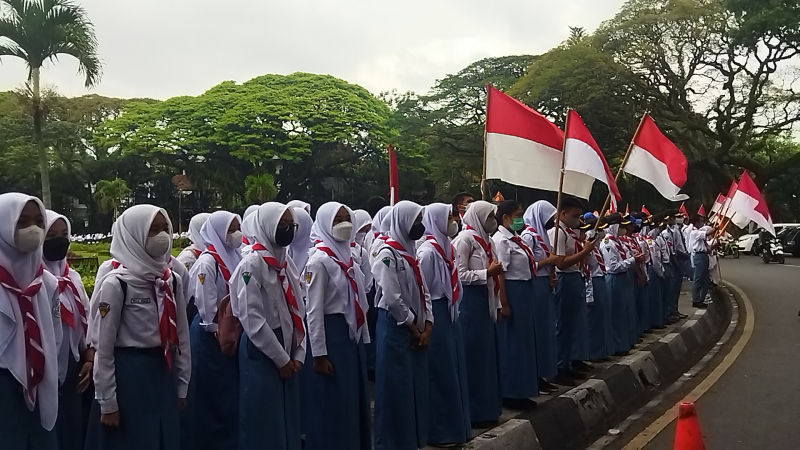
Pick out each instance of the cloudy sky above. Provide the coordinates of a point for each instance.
(164, 48)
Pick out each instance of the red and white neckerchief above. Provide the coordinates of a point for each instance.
(70, 309)
(245, 241)
(414, 263)
(531, 261)
(299, 332)
(223, 269)
(600, 261)
(197, 252)
(451, 266)
(540, 241)
(620, 248)
(487, 249)
(583, 264)
(34, 352)
(349, 274)
(168, 314)
(115, 264)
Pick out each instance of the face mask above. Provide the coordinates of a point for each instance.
(550, 223)
(452, 229)
(517, 224)
(360, 236)
(342, 231)
(416, 231)
(157, 246)
(234, 240)
(29, 239)
(55, 249)
(490, 226)
(284, 236)
(679, 221)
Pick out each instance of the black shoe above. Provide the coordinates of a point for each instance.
(519, 404)
(682, 316)
(563, 380)
(546, 388)
(580, 366)
(699, 305)
(574, 374)
(490, 424)
(622, 353)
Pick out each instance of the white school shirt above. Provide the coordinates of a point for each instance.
(473, 263)
(178, 267)
(529, 238)
(566, 247)
(258, 301)
(666, 234)
(515, 261)
(208, 287)
(74, 341)
(47, 309)
(657, 257)
(677, 238)
(361, 259)
(697, 240)
(396, 289)
(133, 321)
(188, 257)
(616, 262)
(594, 265)
(437, 276)
(323, 276)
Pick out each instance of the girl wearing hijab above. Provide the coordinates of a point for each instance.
(301, 245)
(336, 315)
(376, 230)
(599, 306)
(449, 393)
(75, 360)
(403, 332)
(300, 204)
(539, 218)
(659, 258)
(481, 306)
(267, 298)
(190, 254)
(29, 328)
(362, 224)
(142, 360)
(517, 335)
(376, 236)
(214, 392)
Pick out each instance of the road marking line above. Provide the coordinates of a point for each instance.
(649, 433)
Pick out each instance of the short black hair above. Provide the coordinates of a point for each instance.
(569, 202)
(506, 208)
(697, 218)
(376, 204)
(460, 197)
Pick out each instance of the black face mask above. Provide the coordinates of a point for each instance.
(416, 232)
(55, 249)
(550, 223)
(284, 236)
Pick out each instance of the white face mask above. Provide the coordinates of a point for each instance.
(234, 240)
(360, 236)
(679, 221)
(490, 226)
(452, 229)
(29, 239)
(157, 246)
(342, 231)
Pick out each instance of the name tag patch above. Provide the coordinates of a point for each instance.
(139, 301)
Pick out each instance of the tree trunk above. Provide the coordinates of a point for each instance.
(44, 161)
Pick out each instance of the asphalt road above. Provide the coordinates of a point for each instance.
(756, 403)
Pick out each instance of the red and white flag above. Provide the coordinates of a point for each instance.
(683, 210)
(392, 176)
(702, 211)
(524, 148)
(655, 159)
(726, 208)
(645, 211)
(582, 155)
(748, 202)
(718, 204)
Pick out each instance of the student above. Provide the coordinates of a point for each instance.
(190, 254)
(267, 298)
(380, 229)
(449, 393)
(75, 359)
(362, 224)
(659, 257)
(571, 328)
(339, 416)
(461, 202)
(377, 235)
(481, 306)
(375, 231)
(516, 336)
(248, 228)
(598, 303)
(300, 247)
(300, 204)
(640, 274)
(142, 360)
(698, 246)
(214, 394)
(30, 326)
(403, 332)
(540, 217)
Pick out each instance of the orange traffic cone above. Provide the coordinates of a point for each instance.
(687, 430)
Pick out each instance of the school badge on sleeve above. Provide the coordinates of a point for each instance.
(201, 277)
(246, 277)
(387, 261)
(308, 277)
(103, 308)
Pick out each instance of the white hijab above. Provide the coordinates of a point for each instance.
(613, 230)
(195, 225)
(250, 210)
(300, 204)
(322, 230)
(476, 217)
(215, 232)
(435, 221)
(249, 227)
(301, 244)
(56, 267)
(266, 224)
(129, 241)
(360, 220)
(377, 221)
(401, 220)
(537, 215)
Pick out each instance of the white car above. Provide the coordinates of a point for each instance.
(745, 243)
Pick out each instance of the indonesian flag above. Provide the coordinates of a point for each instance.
(702, 210)
(718, 203)
(524, 148)
(655, 159)
(683, 210)
(627, 209)
(645, 211)
(726, 208)
(392, 176)
(582, 155)
(748, 202)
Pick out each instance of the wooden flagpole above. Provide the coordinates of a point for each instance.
(725, 219)
(483, 177)
(561, 185)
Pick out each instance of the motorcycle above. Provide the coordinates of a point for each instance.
(773, 252)
(729, 249)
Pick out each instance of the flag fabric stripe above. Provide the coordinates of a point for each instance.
(583, 155)
(653, 141)
(645, 165)
(393, 182)
(747, 201)
(507, 115)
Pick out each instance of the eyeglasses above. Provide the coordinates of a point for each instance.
(287, 226)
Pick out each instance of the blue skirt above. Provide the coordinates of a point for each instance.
(598, 345)
(621, 293)
(633, 314)
(147, 394)
(655, 292)
(449, 401)
(213, 393)
(69, 425)
(21, 429)
(480, 350)
(337, 412)
(544, 318)
(642, 308)
(572, 327)
(269, 407)
(401, 388)
(372, 321)
(516, 340)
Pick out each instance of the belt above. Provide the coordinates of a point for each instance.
(150, 351)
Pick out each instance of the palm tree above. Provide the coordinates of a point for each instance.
(41, 30)
(109, 195)
(260, 188)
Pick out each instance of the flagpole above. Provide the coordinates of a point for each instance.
(483, 177)
(622, 166)
(725, 219)
(561, 186)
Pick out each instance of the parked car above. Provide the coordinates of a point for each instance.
(790, 237)
(747, 242)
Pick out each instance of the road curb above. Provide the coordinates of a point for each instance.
(579, 416)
